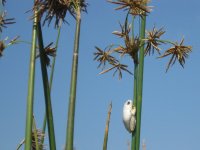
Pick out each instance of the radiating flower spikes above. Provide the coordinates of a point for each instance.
(178, 52)
(153, 40)
(130, 48)
(49, 50)
(132, 45)
(134, 7)
(57, 9)
(104, 57)
(4, 22)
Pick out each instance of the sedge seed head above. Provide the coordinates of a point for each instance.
(58, 9)
(178, 52)
(4, 22)
(153, 40)
(134, 7)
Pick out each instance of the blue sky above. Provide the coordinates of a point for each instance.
(170, 100)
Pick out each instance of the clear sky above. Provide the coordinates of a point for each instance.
(170, 100)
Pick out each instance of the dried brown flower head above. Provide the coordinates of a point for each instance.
(178, 52)
(104, 57)
(58, 9)
(4, 22)
(125, 30)
(131, 45)
(131, 48)
(153, 41)
(134, 7)
(48, 51)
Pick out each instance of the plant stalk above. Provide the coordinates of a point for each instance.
(133, 144)
(72, 98)
(135, 97)
(140, 82)
(51, 79)
(30, 97)
(107, 128)
(47, 95)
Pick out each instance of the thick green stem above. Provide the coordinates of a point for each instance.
(72, 98)
(140, 83)
(47, 95)
(107, 128)
(133, 144)
(135, 97)
(51, 79)
(29, 108)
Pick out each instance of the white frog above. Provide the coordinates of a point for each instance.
(129, 118)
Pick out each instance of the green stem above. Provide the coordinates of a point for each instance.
(51, 79)
(72, 98)
(29, 108)
(54, 58)
(133, 145)
(133, 35)
(135, 97)
(49, 113)
(140, 83)
(107, 128)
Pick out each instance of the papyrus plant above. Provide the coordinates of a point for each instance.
(31, 83)
(137, 47)
(78, 7)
